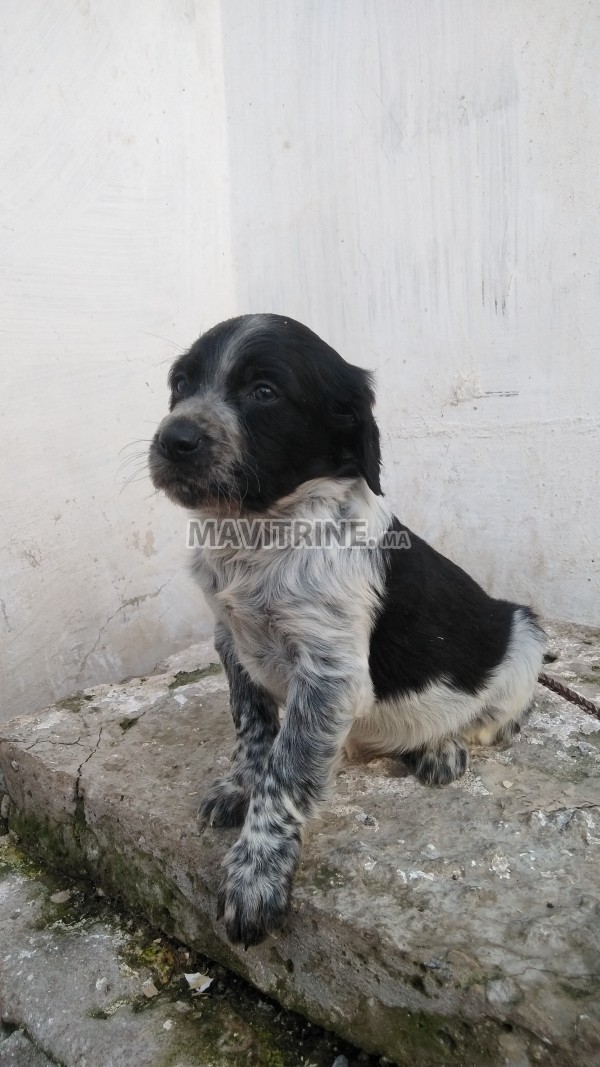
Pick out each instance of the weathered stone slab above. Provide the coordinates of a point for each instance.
(455, 926)
(17, 1050)
(82, 985)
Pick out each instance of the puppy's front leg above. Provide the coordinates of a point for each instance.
(256, 719)
(260, 867)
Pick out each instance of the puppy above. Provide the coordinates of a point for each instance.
(373, 646)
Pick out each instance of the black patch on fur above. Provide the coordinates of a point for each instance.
(436, 623)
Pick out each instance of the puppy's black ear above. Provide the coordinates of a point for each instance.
(353, 412)
(369, 452)
(368, 448)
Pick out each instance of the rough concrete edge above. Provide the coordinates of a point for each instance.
(66, 840)
(22, 1043)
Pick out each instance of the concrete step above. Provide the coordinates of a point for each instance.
(82, 985)
(454, 926)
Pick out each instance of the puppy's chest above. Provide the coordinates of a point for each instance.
(264, 608)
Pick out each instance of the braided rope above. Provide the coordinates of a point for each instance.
(569, 694)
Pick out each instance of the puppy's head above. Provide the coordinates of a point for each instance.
(260, 405)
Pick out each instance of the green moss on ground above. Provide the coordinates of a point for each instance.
(73, 703)
(187, 677)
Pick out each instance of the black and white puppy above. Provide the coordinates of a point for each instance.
(374, 648)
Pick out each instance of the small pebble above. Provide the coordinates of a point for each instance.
(340, 1061)
(168, 1024)
(507, 785)
(367, 820)
(149, 989)
(62, 897)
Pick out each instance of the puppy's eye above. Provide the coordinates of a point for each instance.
(263, 393)
(180, 384)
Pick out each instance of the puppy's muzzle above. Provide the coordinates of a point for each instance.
(194, 450)
(180, 439)
(182, 459)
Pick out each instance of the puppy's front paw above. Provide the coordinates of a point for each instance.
(255, 895)
(225, 804)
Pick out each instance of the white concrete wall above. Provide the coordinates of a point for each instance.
(416, 181)
(419, 182)
(115, 251)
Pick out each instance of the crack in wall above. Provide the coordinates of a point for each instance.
(78, 796)
(131, 602)
(49, 741)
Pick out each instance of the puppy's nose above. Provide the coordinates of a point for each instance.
(179, 438)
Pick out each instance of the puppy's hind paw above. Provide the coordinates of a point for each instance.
(225, 804)
(440, 765)
(486, 731)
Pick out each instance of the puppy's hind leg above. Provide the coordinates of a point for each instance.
(415, 731)
(256, 719)
(494, 726)
(510, 690)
